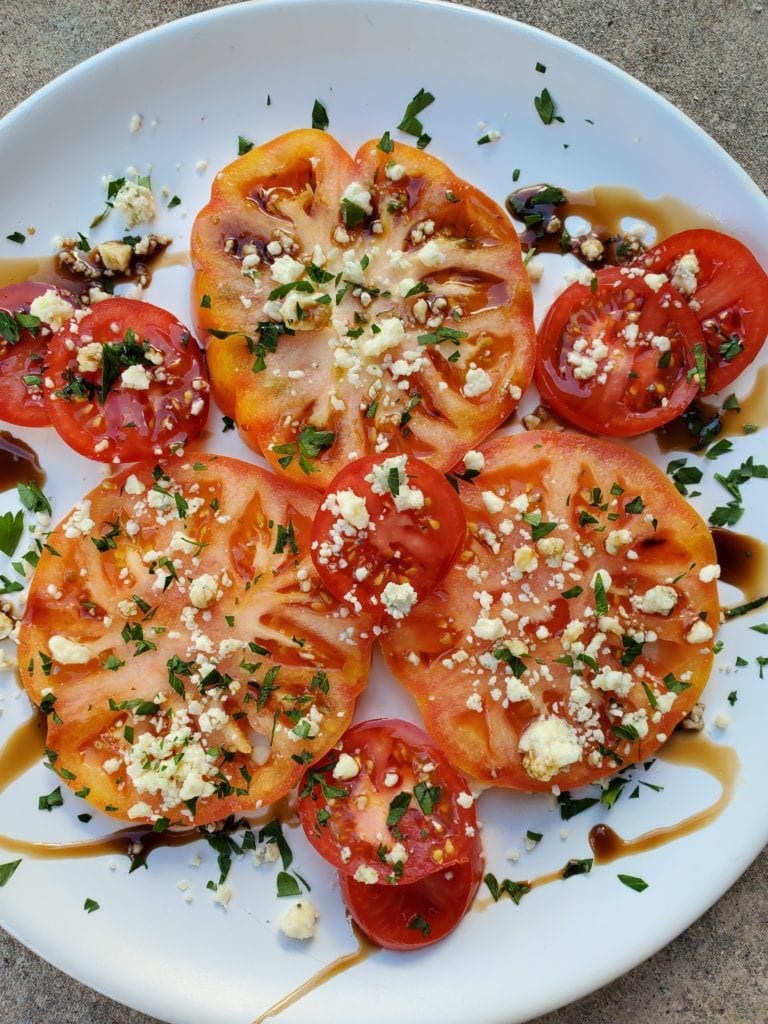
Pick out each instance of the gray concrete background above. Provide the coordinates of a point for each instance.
(709, 57)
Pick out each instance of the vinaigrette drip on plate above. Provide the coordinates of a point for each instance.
(365, 948)
(19, 464)
(689, 751)
(604, 207)
(743, 562)
(23, 749)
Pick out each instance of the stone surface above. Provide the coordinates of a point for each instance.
(708, 58)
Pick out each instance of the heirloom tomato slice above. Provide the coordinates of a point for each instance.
(575, 630)
(125, 381)
(366, 305)
(618, 357)
(386, 806)
(188, 659)
(386, 533)
(23, 343)
(727, 291)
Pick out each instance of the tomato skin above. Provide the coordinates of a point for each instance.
(140, 638)
(626, 390)
(730, 297)
(538, 609)
(408, 917)
(413, 545)
(146, 420)
(397, 761)
(326, 371)
(20, 403)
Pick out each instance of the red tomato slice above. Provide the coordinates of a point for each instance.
(411, 916)
(23, 343)
(387, 533)
(618, 359)
(126, 382)
(386, 806)
(187, 656)
(379, 301)
(527, 671)
(727, 290)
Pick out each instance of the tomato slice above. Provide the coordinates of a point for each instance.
(528, 671)
(187, 656)
(386, 533)
(126, 382)
(411, 916)
(387, 807)
(379, 302)
(618, 358)
(727, 290)
(23, 343)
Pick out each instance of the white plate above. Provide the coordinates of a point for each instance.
(195, 963)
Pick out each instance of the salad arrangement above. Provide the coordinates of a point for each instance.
(549, 599)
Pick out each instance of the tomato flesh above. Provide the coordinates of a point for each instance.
(529, 673)
(411, 916)
(378, 300)
(188, 658)
(386, 523)
(618, 358)
(726, 289)
(404, 813)
(126, 382)
(23, 354)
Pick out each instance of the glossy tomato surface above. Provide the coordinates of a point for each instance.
(125, 382)
(378, 303)
(576, 628)
(387, 523)
(23, 344)
(727, 291)
(387, 806)
(617, 357)
(188, 659)
(407, 917)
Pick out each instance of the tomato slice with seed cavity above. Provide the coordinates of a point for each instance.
(386, 533)
(618, 357)
(188, 658)
(126, 382)
(576, 628)
(727, 291)
(23, 345)
(378, 301)
(387, 806)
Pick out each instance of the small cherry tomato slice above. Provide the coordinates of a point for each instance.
(411, 916)
(23, 342)
(386, 806)
(618, 358)
(727, 290)
(387, 533)
(126, 382)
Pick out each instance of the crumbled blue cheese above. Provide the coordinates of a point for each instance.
(298, 922)
(548, 746)
(398, 599)
(68, 652)
(476, 383)
(136, 203)
(51, 309)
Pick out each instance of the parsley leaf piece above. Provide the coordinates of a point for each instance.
(633, 882)
(546, 107)
(319, 116)
(11, 529)
(7, 870)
